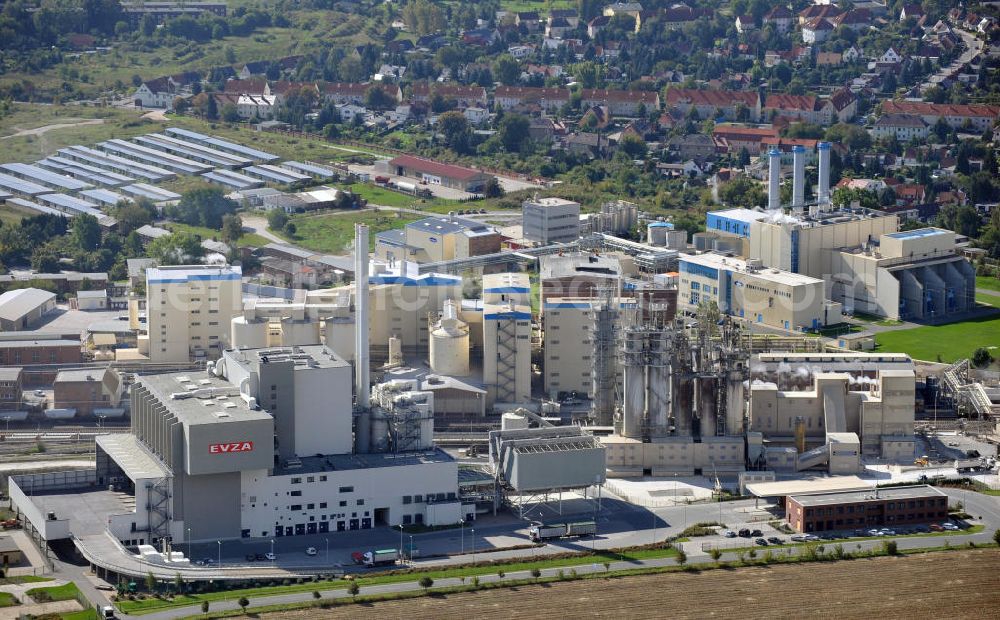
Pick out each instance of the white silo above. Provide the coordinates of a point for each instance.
(248, 333)
(656, 233)
(512, 420)
(449, 343)
(798, 177)
(823, 191)
(299, 333)
(774, 179)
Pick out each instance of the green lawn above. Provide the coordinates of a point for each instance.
(151, 605)
(949, 342)
(989, 300)
(12, 216)
(249, 239)
(84, 614)
(7, 599)
(4, 581)
(988, 282)
(65, 592)
(333, 232)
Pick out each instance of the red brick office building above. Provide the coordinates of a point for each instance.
(891, 507)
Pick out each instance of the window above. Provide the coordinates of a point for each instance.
(343, 503)
(407, 499)
(418, 499)
(322, 504)
(347, 489)
(296, 493)
(361, 502)
(311, 479)
(296, 480)
(322, 478)
(295, 507)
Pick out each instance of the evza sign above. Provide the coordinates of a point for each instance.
(235, 446)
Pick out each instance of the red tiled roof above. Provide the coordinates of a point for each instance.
(250, 87)
(820, 10)
(345, 88)
(842, 98)
(436, 168)
(717, 98)
(745, 133)
(424, 89)
(801, 103)
(531, 94)
(648, 97)
(940, 109)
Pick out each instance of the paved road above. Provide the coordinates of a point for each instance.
(973, 46)
(258, 225)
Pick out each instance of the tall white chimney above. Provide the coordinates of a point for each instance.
(823, 192)
(361, 346)
(798, 178)
(774, 179)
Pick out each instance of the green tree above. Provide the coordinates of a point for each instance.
(506, 70)
(232, 228)
(86, 232)
(290, 229)
(230, 114)
(44, 260)
(178, 583)
(150, 582)
(426, 582)
(276, 219)
(981, 358)
(715, 553)
(513, 132)
(377, 98)
(353, 588)
(176, 249)
(682, 557)
(996, 537)
(131, 216)
(243, 602)
(317, 595)
(536, 573)
(455, 129)
(493, 188)
(202, 207)
(633, 146)
(204, 607)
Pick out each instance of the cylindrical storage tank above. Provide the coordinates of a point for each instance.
(426, 432)
(703, 240)
(299, 333)
(656, 232)
(449, 344)
(248, 334)
(511, 421)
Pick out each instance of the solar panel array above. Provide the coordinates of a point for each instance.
(35, 174)
(224, 145)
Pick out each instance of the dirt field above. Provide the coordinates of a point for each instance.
(956, 585)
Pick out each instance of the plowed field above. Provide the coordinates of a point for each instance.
(953, 585)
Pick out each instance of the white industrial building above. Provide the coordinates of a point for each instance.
(744, 289)
(188, 311)
(550, 220)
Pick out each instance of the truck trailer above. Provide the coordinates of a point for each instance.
(378, 557)
(545, 531)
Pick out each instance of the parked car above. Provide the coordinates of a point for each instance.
(251, 557)
(761, 542)
(744, 533)
(951, 527)
(874, 532)
(260, 557)
(934, 527)
(921, 529)
(774, 540)
(756, 533)
(310, 550)
(811, 538)
(270, 556)
(798, 538)
(729, 534)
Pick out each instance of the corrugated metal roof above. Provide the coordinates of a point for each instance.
(16, 304)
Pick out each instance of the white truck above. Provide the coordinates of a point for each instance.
(544, 531)
(376, 557)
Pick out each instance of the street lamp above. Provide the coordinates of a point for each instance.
(272, 553)
(654, 528)
(220, 552)
(473, 546)
(411, 550)
(400, 539)
(461, 523)
(327, 541)
(189, 543)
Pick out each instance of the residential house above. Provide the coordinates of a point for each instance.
(911, 10)
(845, 104)
(593, 145)
(816, 30)
(674, 17)
(781, 18)
(891, 56)
(548, 99)
(688, 169)
(597, 24)
(786, 147)
(735, 138)
(621, 102)
(623, 8)
(520, 52)
(855, 19)
(161, 92)
(910, 193)
(980, 117)
(852, 54)
(904, 127)
(462, 96)
(544, 129)
(557, 27)
(802, 108)
(529, 20)
(570, 15)
(745, 24)
(828, 59)
(696, 146)
(250, 86)
(596, 117)
(476, 116)
(730, 104)
(260, 107)
(822, 11)
(480, 37)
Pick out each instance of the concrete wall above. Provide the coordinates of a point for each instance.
(673, 456)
